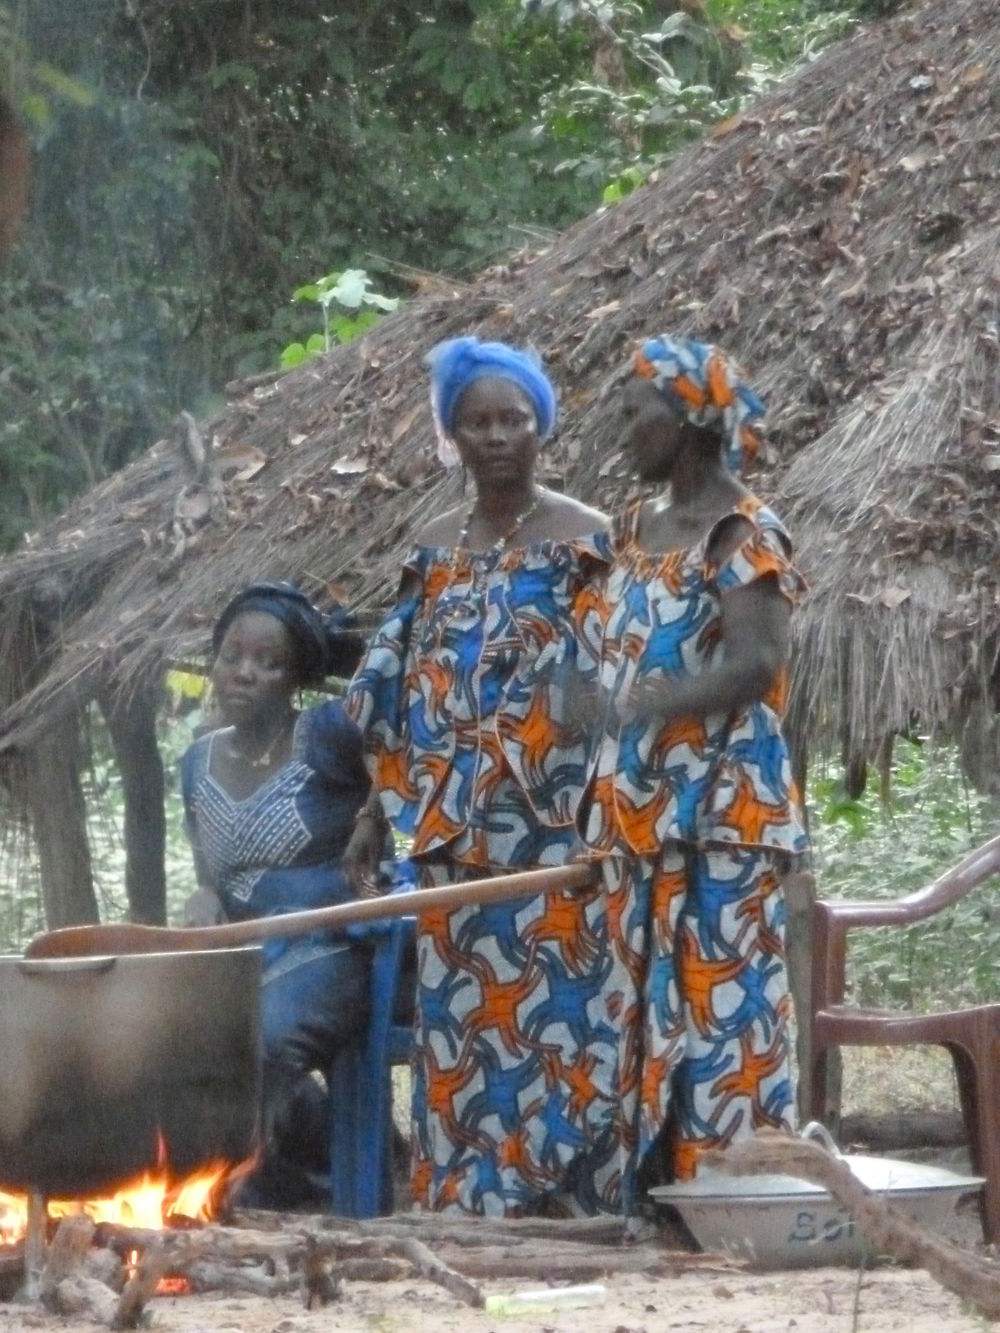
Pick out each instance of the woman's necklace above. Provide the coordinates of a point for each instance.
(263, 760)
(501, 542)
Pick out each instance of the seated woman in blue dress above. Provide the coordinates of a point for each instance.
(271, 801)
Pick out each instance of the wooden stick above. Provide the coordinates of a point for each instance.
(586, 1263)
(436, 1228)
(233, 1280)
(125, 937)
(428, 1265)
(34, 1245)
(140, 1287)
(318, 1283)
(11, 1269)
(65, 1256)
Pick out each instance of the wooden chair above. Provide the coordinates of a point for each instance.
(971, 1036)
(360, 1082)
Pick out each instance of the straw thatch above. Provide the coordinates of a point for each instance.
(841, 237)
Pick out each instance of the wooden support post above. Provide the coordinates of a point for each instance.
(800, 894)
(131, 720)
(59, 821)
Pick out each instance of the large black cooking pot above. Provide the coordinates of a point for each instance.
(100, 1057)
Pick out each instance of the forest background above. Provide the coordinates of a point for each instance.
(201, 166)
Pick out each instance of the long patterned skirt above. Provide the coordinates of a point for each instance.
(705, 1033)
(515, 1069)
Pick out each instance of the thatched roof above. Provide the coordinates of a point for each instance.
(841, 237)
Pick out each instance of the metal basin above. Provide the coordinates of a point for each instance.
(779, 1221)
(104, 1058)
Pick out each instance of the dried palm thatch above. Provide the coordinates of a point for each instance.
(841, 237)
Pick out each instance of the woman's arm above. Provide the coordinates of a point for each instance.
(204, 906)
(755, 620)
(364, 850)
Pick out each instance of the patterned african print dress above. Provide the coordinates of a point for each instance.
(466, 697)
(697, 820)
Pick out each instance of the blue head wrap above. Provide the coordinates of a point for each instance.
(322, 644)
(459, 362)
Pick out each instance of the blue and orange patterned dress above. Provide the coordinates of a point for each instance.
(469, 699)
(696, 820)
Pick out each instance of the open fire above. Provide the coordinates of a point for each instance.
(152, 1200)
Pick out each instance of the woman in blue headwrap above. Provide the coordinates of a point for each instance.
(469, 700)
(692, 801)
(271, 799)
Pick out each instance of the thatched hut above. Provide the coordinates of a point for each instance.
(841, 237)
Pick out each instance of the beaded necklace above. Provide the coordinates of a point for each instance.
(501, 542)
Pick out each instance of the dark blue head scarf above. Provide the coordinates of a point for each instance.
(459, 362)
(321, 644)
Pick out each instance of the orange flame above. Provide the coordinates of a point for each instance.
(152, 1200)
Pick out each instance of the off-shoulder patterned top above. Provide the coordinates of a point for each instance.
(469, 699)
(722, 779)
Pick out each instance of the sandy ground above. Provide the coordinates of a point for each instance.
(822, 1300)
(881, 1299)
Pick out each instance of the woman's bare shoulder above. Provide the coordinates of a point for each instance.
(572, 518)
(443, 530)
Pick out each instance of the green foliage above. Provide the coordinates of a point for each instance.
(193, 161)
(351, 291)
(32, 83)
(865, 849)
(780, 32)
(663, 80)
(21, 915)
(654, 84)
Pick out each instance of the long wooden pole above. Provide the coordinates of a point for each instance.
(127, 937)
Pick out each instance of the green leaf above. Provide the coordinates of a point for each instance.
(73, 90)
(293, 355)
(37, 109)
(233, 72)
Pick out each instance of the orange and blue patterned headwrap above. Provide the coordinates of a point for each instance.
(458, 362)
(708, 388)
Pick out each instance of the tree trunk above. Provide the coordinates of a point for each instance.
(15, 172)
(132, 727)
(58, 818)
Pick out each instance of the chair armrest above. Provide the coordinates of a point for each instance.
(979, 865)
(832, 920)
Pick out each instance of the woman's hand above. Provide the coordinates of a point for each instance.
(650, 700)
(203, 908)
(363, 853)
(580, 854)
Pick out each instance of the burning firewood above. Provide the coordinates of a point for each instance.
(267, 1254)
(65, 1256)
(140, 1287)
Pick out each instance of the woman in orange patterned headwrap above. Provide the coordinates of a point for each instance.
(691, 797)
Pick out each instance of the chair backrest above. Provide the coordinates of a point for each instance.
(833, 920)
